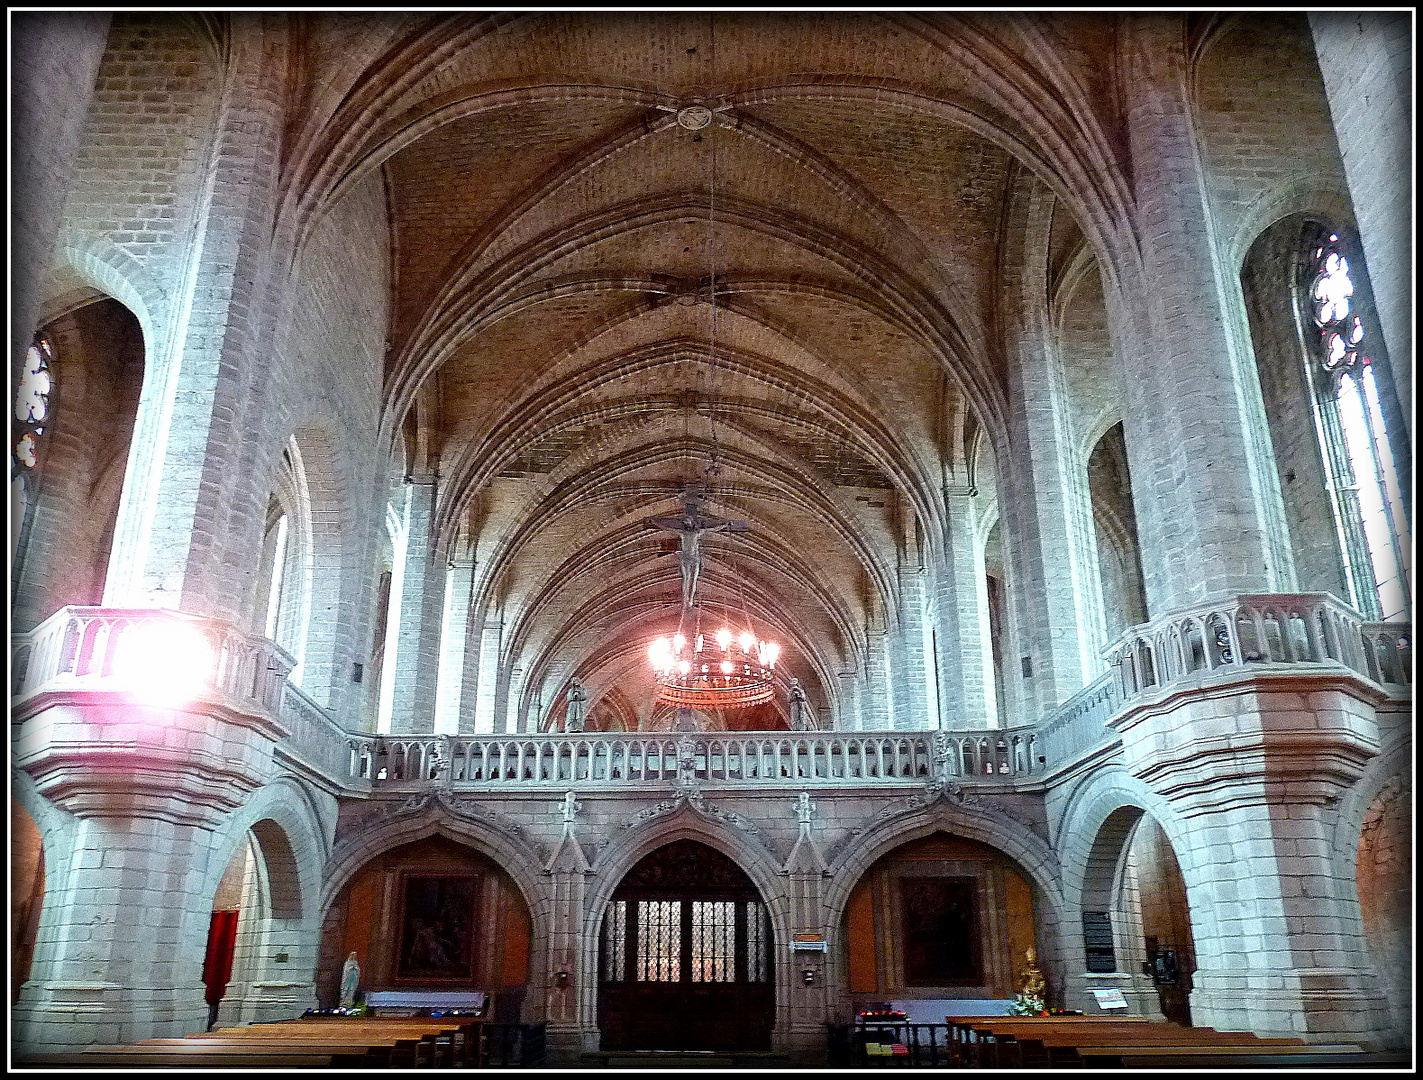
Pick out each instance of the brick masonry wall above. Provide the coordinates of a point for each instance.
(144, 143)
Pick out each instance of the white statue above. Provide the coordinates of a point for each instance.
(350, 979)
(577, 702)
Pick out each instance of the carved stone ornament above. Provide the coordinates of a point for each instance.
(441, 802)
(691, 798)
(694, 117)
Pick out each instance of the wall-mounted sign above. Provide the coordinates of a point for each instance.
(1110, 999)
(809, 943)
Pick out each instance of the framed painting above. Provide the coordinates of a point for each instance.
(437, 920)
(940, 920)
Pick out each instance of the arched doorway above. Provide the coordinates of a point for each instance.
(686, 957)
(1136, 920)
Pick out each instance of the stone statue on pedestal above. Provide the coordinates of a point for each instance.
(350, 979)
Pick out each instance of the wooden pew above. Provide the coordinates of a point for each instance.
(451, 1039)
(436, 1041)
(995, 1042)
(1198, 1055)
(194, 1055)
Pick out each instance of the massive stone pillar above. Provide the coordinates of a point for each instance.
(1043, 490)
(1255, 763)
(124, 923)
(192, 500)
(1204, 483)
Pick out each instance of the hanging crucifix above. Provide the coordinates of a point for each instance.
(690, 527)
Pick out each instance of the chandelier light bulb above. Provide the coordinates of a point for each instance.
(726, 667)
(678, 643)
(701, 640)
(746, 640)
(723, 638)
(683, 666)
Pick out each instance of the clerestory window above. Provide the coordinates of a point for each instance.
(32, 405)
(1363, 452)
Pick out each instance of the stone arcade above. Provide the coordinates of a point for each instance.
(1058, 364)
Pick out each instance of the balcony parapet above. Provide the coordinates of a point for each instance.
(1079, 725)
(1237, 632)
(82, 648)
(630, 759)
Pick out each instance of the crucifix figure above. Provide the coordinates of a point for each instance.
(690, 527)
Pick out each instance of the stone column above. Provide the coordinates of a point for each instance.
(966, 690)
(414, 646)
(55, 59)
(455, 691)
(125, 918)
(1204, 482)
(1366, 59)
(491, 638)
(1256, 763)
(876, 697)
(191, 504)
(916, 700)
(1043, 493)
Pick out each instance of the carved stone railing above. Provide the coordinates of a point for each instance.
(1238, 631)
(1079, 725)
(84, 648)
(314, 736)
(633, 758)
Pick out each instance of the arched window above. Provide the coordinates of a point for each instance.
(1363, 452)
(33, 387)
(32, 392)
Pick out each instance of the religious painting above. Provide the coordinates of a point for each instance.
(437, 929)
(940, 920)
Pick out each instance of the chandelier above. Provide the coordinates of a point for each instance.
(724, 671)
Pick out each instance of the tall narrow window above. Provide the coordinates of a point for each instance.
(32, 405)
(1363, 451)
(30, 422)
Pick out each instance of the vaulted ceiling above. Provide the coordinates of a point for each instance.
(603, 292)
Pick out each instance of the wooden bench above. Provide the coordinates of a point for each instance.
(435, 1041)
(440, 1040)
(190, 1055)
(445, 1040)
(1029, 1041)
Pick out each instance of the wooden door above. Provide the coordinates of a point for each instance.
(686, 956)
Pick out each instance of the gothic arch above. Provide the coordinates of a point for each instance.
(511, 854)
(686, 822)
(999, 831)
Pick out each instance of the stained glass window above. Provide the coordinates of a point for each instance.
(1360, 450)
(32, 404)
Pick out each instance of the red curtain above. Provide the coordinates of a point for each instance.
(217, 964)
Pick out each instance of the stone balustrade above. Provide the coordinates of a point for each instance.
(1274, 628)
(632, 758)
(83, 648)
(1079, 724)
